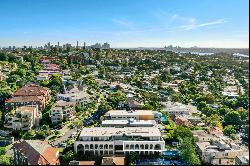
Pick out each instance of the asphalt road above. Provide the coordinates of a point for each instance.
(66, 135)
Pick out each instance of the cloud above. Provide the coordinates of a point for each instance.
(168, 19)
(191, 26)
(195, 25)
(123, 23)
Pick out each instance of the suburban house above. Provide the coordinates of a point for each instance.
(181, 120)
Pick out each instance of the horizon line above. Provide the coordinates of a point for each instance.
(131, 47)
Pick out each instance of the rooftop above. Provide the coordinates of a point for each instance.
(26, 108)
(62, 103)
(124, 112)
(129, 131)
(132, 122)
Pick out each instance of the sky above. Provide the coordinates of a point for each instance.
(126, 23)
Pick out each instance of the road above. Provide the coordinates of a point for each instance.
(67, 133)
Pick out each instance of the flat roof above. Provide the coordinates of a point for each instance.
(128, 122)
(124, 112)
(26, 108)
(112, 131)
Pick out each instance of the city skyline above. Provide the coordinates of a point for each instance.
(127, 24)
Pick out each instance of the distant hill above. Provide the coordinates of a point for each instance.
(244, 51)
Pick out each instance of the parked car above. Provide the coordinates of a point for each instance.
(63, 145)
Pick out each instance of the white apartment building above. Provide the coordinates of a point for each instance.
(118, 141)
(136, 115)
(75, 95)
(176, 108)
(128, 123)
(23, 118)
(62, 110)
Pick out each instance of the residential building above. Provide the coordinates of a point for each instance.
(62, 110)
(16, 102)
(128, 123)
(180, 120)
(23, 118)
(188, 119)
(30, 94)
(135, 114)
(35, 152)
(133, 104)
(218, 152)
(81, 97)
(118, 141)
(176, 108)
(42, 77)
(203, 136)
(174, 86)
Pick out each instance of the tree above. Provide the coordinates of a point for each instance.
(20, 71)
(209, 98)
(188, 152)
(182, 132)
(232, 118)
(2, 150)
(29, 135)
(5, 160)
(229, 130)
(55, 82)
(201, 105)
(132, 157)
(115, 99)
(175, 97)
(3, 57)
(223, 110)
(69, 156)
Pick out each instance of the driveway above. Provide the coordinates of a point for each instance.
(67, 134)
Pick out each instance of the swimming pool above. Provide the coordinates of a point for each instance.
(163, 119)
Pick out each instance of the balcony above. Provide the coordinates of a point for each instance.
(8, 125)
(25, 128)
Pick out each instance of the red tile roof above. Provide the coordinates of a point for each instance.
(38, 152)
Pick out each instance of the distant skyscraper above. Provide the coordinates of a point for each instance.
(84, 45)
(58, 44)
(48, 45)
(106, 46)
(77, 44)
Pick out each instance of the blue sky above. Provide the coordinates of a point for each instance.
(126, 23)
